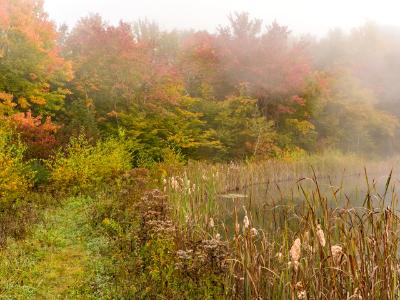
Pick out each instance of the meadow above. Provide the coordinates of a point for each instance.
(90, 225)
(248, 162)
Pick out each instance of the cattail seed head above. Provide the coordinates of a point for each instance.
(295, 251)
(246, 222)
(337, 252)
(321, 236)
(253, 232)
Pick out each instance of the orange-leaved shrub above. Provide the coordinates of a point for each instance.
(83, 165)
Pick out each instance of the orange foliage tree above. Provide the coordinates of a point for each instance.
(31, 68)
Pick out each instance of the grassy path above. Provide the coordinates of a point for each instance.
(60, 259)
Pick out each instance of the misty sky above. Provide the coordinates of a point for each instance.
(313, 16)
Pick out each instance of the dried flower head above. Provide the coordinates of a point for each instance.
(246, 222)
(253, 232)
(321, 236)
(302, 294)
(337, 252)
(295, 251)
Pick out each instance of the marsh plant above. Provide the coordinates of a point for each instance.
(324, 245)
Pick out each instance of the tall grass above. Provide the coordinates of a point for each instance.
(318, 247)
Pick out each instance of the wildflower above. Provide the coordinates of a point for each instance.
(321, 236)
(295, 251)
(211, 223)
(253, 232)
(336, 253)
(246, 222)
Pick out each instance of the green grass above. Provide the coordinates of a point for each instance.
(62, 258)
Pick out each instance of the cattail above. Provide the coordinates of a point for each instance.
(321, 236)
(295, 251)
(253, 232)
(246, 222)
(336, 253)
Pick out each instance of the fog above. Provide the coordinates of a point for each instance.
(308, 16)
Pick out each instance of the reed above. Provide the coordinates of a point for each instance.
(324, 245)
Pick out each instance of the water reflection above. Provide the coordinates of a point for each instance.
(270, 203)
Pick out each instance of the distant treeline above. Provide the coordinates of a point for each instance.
(246, 90)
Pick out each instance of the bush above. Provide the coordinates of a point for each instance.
(83, 165)
(15, 175)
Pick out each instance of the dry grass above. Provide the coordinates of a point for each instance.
(318, 248)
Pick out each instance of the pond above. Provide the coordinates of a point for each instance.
(270, 203)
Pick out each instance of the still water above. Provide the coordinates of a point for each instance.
(266, 202)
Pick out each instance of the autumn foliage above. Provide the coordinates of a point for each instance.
(38, 136)
(246, 90)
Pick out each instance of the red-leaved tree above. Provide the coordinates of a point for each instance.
(38, 136)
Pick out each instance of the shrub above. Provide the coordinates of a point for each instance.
(38, 136)
(83, 165)
(15, 176)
